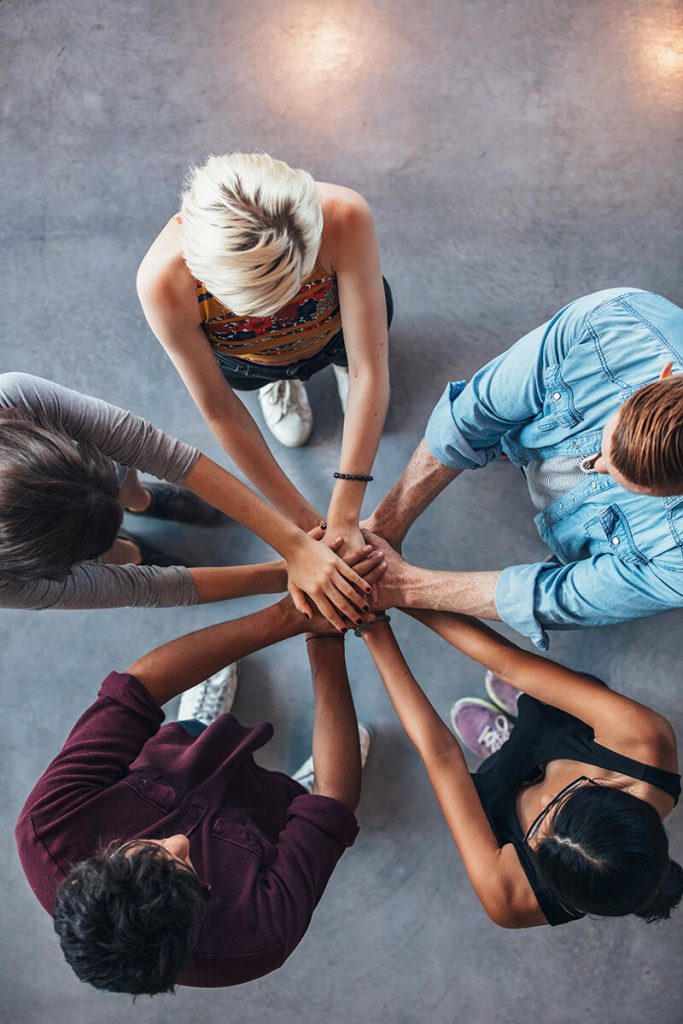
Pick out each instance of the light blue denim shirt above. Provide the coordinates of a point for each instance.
(618, 555)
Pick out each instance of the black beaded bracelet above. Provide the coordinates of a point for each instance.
(365, 477)
(371, 622)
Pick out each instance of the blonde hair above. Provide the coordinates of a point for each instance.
(250, 231)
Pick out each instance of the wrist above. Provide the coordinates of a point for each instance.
(290, 621)
(341, 516)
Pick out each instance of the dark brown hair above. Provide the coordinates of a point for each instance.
(129, 922)
(59, 499)
(647, 443)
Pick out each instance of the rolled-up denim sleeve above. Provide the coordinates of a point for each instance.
(468, 422)
(597, 591)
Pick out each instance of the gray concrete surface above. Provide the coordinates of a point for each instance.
(516, 155)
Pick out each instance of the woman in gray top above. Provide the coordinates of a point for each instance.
(67, 469)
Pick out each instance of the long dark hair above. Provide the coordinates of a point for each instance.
(59, 499)
(607, 853)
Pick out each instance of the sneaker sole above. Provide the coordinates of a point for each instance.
(494, 700)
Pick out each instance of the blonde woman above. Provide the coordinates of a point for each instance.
(248, 287)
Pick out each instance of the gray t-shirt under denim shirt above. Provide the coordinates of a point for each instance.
(129, 441)
(550, 478)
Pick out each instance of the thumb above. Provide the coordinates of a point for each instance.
(300, 602)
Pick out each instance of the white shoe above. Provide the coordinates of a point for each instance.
(305, 775)
(285, 409)
(342, 375)
(214, 697)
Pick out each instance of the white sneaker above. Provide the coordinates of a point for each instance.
(285, 409)
(305, 775)
(214, 697)
(342, 375)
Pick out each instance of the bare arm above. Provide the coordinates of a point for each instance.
(350, 246)
(619, 723)
(496, 875)
(336, 751)
(222, 583)
(176, 666)
(408, 586)
(423, 479)
(168, 299)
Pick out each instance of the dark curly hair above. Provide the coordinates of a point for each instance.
(128, 921)
(59, 499)
(607, 853)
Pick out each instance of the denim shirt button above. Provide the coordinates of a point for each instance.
(594, 486)
(556, 396)
(576, 444)
(615, 541)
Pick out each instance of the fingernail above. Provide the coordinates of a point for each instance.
(368, 590)
(307, 615)
(366, 607)
(359, 621)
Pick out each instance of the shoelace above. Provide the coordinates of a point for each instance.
(283, 394)
(209, 700)
(494, 736)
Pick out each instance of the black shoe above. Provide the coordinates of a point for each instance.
(150, 554)
(180, 505)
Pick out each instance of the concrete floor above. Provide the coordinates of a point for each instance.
(516, 155)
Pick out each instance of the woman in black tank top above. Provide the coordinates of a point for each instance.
(566, 818)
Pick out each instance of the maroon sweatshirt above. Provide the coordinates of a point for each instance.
(264, 846)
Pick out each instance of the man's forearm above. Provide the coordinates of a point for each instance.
(470, 593)
(423, 479)
(336, 751)
(176, 666)
(222, 583)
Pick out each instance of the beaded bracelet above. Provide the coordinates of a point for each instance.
(371, 622)
(364, 477)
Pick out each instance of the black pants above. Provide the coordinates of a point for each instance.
(243, 375)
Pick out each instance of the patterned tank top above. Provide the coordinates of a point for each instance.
(297, 331)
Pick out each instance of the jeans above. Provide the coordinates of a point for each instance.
(242, 375)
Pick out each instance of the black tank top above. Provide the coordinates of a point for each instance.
(544, 733)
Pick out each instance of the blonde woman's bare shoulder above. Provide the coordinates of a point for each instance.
(340, 204)
(163, 276)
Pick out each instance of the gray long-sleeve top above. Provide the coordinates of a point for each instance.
(129, 441)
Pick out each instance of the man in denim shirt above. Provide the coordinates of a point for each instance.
(603, 458)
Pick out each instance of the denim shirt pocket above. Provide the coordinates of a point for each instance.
(673, 558)
(559, 409)
(612, 526)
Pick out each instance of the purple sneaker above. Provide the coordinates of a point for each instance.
(502, 694)
(479, 725)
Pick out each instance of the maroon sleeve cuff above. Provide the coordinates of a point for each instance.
(127, 690)
(327, 814)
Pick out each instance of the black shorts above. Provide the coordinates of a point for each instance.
(243, 375)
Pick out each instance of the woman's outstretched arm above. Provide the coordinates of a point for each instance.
(495, 873)
(620, 723)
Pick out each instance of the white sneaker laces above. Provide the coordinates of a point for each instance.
(209, 700)
(285, 396)
(494, 736)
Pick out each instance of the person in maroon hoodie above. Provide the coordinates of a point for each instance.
(167, 856)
